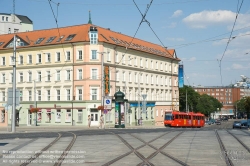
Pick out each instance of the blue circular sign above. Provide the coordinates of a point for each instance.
(107, 101)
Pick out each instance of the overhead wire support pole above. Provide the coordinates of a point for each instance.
(13, 120)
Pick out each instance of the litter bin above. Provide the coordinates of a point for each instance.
(74, 123)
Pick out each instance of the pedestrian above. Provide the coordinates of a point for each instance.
(89, 121)
(101, 122)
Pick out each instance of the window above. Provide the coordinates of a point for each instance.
(58, 57)
(60, 39)
(50, 39)
(21, 95)
(29, 76)
(16, 30)
(93, 37)
(20, 59)
(146, 63)
(156, 65)
(79, 116)
(20, 77)
(79, 74)
(39, 95)
(3, 78)
(58, 116)
(30, 59)
(116, 57)
(123, 76)
(79, 94)
(135, 61)
(108, 57)
(80, 54)
(146, 79)
(1, 43)
(48, 57)
(58, 75)
(68, 74)
(39, 40)
(141, 78)
(152, 79)
(39, 58)
(130, 77)
(39, 76)
(136, 78)
(130, 60)
(11, 77)
(93, 94)
(170, 82)
(3, 61)
(30, 95)
(93, 55)
(70, 37)
(3, 95)
(141, 62)
(48, 75)
(68, 94)
(152, 64)
(2, 18)
(48, 95)
(68, 55)
(161, 67)
(68, 116)
(7, 18)
(117, 76)
(94, 73)
(58, 94)
(157, 80)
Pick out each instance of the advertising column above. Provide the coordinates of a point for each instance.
(122, 114)
(117, 108)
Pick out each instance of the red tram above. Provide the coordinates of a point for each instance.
(183, 119)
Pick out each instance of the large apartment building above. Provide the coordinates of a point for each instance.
(13, 23)
(61, 70)
(227, 95)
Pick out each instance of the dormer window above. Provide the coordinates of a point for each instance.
(70, 37)
(60, 39)
(39, 40)
(93, 35)
(50, 39)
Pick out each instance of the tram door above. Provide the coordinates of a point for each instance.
(94, 117)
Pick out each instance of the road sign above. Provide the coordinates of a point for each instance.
(105, 111)
(10, 97)
(107, 102)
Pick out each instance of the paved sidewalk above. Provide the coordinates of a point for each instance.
(30, 129)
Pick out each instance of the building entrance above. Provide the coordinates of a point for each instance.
(94, 117)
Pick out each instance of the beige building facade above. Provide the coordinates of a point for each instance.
(61, 74)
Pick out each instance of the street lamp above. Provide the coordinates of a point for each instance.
(72, 117)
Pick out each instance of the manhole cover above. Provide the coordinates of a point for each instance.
(3, 144)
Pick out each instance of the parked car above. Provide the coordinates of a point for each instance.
(243, 124)
(236, 124)
(218, 122)
(208, 122)
(212, 121)
(225, 118)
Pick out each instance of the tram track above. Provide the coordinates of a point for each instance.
(63, 155)
(242, 143)
(44, 149)
(146, 160)
(223, 149)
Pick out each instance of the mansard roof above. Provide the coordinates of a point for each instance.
(80, 33)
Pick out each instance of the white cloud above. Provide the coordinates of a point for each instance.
(206, 18)
(177, 13)
(172, 25)
(239, 67)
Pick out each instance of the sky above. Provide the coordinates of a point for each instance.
(212, 43)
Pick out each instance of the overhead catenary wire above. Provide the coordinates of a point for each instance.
(237, 13)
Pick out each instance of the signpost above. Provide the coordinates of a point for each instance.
(107, 102)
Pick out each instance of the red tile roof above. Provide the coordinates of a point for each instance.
(81, 31)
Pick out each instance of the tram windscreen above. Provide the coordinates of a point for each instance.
(168, 117)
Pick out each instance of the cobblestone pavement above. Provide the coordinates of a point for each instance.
(131, 146)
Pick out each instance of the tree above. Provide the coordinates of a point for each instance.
(247, 106)
(207, 104)
(192, 98)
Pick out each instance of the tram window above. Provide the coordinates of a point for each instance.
(176, 116)
(189, 116)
